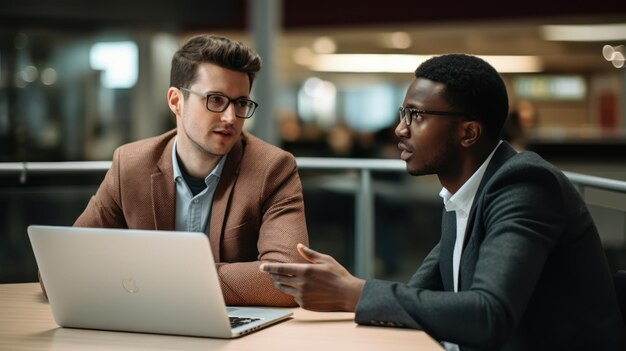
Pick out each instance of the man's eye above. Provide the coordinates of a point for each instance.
(416, 116)
(216, 99)
(241, 103)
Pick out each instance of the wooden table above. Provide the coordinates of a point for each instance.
(26, 324)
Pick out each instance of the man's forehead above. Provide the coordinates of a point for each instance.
(421, 90)
(213, 77)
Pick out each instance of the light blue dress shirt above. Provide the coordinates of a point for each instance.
(193, 212)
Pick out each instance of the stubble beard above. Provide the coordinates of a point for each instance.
(196, 145)
(439, 162)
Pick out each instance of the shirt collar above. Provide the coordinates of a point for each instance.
(461, 201)
(217, 171)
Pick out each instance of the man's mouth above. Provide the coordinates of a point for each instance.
(405, 152)
(225, 132)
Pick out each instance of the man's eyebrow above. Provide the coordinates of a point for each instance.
(412, 106)
(219, 92)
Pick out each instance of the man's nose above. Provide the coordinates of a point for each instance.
(228, 115)
(402, 130)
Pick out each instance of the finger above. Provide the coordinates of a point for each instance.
(283, 268)
(311, 255)
(283, 280)
(287, 289)
(262, 267)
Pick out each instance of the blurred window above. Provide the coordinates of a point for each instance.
(317, 102)
(550, 87)
(118, 61)
(371, 108)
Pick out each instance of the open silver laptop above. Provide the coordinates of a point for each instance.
(139, 281)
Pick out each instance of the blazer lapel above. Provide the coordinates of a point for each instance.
(448, 238)
(163, 190)
(223, 195)
(502, 154)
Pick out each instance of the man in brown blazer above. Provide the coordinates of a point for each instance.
(208, 175)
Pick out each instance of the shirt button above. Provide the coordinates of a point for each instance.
(195, 201)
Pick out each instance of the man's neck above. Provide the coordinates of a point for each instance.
(466, 165)
(197, 164)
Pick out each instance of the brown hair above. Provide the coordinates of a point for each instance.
(214, 49)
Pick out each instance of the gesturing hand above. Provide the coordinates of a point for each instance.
(322, 285)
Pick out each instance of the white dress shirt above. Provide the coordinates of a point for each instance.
(461, 203)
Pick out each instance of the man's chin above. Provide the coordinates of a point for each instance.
(212, 150)
(218, 152)
(417, 171)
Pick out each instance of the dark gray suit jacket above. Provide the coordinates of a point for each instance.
(533, 274)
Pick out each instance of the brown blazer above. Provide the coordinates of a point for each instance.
(257, 213)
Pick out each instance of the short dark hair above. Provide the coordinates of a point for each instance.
(472, 86)
(221, 51)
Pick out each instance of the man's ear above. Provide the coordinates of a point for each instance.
(175, 100)
(472, 130)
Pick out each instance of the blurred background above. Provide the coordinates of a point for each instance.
(78, 79)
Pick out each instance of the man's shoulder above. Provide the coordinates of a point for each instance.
(527, 167)
(145, 153)
(530, 162)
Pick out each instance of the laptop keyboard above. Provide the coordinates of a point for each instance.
(239, 321)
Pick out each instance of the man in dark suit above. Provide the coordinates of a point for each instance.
(519, 266)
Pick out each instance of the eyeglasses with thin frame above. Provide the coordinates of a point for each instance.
(408, 113)
(218, 102)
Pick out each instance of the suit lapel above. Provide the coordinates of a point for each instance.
(502, 154)
(448, 238)
(163, 190)
(223, 195)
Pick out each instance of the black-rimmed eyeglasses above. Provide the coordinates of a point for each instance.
(218, 102)
(408, 113)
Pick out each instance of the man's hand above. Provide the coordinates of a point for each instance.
(323, 285)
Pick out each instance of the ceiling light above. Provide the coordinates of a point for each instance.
(303, 56)
(400, 40)
(514, 63)
(29, 74)
(614, 54)
(324, 45)
(394, 40)
(591, 32)
(48, 76)
(380, 63)
(618, 63)
(366, 63)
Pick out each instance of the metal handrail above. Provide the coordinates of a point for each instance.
(364, 199)
(302, 162)
(53, 167)
(585, 180)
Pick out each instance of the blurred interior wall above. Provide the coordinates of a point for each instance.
(149, 107)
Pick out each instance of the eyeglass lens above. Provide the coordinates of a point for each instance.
(405, 113)
(219, 103)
